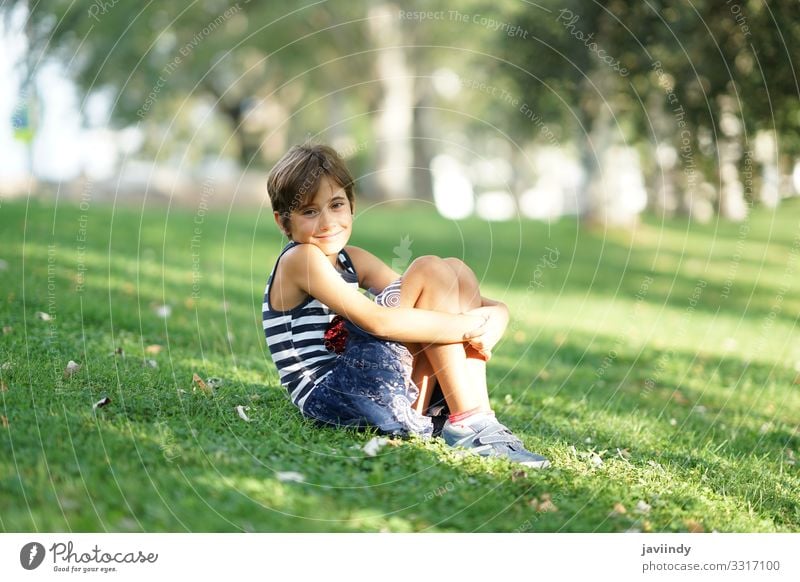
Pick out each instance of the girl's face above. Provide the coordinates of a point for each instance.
(326, 221)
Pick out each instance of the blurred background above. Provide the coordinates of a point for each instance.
(498, 109)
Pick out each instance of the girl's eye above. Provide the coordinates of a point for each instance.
(338, 204)
(309, 212)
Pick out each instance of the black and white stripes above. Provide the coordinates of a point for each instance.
(296, 337)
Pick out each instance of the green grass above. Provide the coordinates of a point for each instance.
(656, 366)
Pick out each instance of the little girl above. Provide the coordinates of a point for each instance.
(348, 360)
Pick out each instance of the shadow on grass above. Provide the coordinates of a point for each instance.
(713, 436)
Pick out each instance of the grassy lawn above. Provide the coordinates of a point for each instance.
(658, 369)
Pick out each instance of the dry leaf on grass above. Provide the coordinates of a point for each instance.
(164, 311)
(517, 475)
(292, 476)
(3, 386)
(43, 316)
(643, 507)
(694, 526)
(199, 383)
(150, 364)
(71, 368)
(104, 401)
(7, 329)
(374, 445)
(678, 397)
(618, 509)
(543, 505)
(153, 349)
(4, 421)
(240, 411)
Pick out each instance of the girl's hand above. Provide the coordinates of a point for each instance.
(494, 328)
(480, 326)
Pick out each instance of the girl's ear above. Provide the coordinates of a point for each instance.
(277, 216)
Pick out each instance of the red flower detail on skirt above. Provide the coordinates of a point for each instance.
(336, 335)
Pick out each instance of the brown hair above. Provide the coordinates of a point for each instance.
(295, 178)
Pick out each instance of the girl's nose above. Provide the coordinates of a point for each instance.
(324, 221)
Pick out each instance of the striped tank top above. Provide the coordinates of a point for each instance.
(296, 337)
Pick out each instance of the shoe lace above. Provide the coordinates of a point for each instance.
(497, 433)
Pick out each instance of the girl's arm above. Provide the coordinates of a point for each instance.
(373, 273)
(307, 267)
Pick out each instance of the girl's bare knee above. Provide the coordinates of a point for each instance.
(457, 265)
(437, 281)
(462, 271)
(430, 267)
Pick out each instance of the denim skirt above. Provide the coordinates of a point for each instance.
(369, 386)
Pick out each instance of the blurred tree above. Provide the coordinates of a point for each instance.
(700, 79)
(241, 57)
(692, 82)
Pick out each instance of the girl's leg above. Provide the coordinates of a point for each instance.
(470, 298)
(446, 285)
(423, 375)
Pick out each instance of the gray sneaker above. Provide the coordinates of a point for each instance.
(488, 438)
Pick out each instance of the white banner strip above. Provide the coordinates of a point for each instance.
(388, 557)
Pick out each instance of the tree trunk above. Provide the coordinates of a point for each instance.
(732, 204)
(235, 114)
(423, 146)
(588, 156)
(664, 199)
(609, 200)
(393, 124)
(766, 153)
(593, 152)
